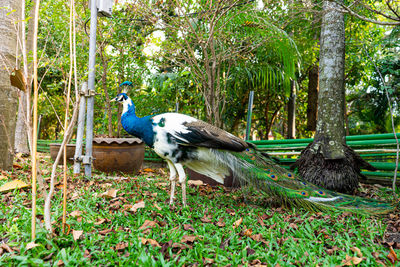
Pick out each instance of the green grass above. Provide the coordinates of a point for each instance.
(288, 237)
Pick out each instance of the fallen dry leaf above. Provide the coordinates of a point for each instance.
(3, 177)
(147, 224)
(208, 261)
(392, 256)
(161, 184)
(220, 222)
(121, 246)
(157, 207)
(188, 238)
(112, 193)
(332, 250)
(76, 213)
(87, 254)
(137, 206)
(126, 207)
(181, 246)
(152, 242)
(17, 166)
(60, 263)
(250, 251)
(77, 234)
(75, 196)
(13, 185)
(99, 221)
(188, 227)
(357, 251)
(148, 170)
(248, 232)
(257, 263)
(224, 243)
(195, 182)
(349, 261)
(259, 238)
(231, 212)
(260, 221)
(237, 223)
(206, 219)
(31, 245)
(375, 254)
(106, 231)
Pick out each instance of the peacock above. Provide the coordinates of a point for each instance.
(182, 140)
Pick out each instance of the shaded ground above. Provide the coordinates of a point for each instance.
(127, 221)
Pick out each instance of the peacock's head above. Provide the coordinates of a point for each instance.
(121, 98)
(125, 101)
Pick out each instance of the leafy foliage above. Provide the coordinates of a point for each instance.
(260, 48)
(370, 104)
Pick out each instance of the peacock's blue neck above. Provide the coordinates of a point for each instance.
(139, 127)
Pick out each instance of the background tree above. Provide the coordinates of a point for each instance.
(327, 161)
(210, 41)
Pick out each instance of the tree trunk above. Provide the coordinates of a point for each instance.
(8, 94)
(241, 112)
(104, 62)
(330, 124)
(291, 129)
(312, 101)
(121, 78)
(327, 161)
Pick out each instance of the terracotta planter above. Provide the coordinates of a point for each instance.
(55, 147)
(118, 154)
(228, 181)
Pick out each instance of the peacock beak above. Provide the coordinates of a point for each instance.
(113, 100)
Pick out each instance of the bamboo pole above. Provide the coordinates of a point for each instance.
(67, 137)
(35, 118)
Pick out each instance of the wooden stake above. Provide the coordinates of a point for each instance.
(71, 61)
(35, 119)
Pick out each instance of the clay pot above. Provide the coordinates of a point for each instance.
(229, 181)
(118, 154)
(55, 147)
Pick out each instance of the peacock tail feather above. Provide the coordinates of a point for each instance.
(255, 168)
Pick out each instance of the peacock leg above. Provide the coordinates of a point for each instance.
(172, 178)
(182, 181)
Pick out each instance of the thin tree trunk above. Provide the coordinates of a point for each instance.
(312, 101)
(241, 112)
(291, 106)
(330, 126)
(104, 62)
(291, 129)
(121, 78)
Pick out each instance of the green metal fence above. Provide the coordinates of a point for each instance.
(378, 149)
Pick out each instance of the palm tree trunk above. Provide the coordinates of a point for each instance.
(291, 129)
(327, 161)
